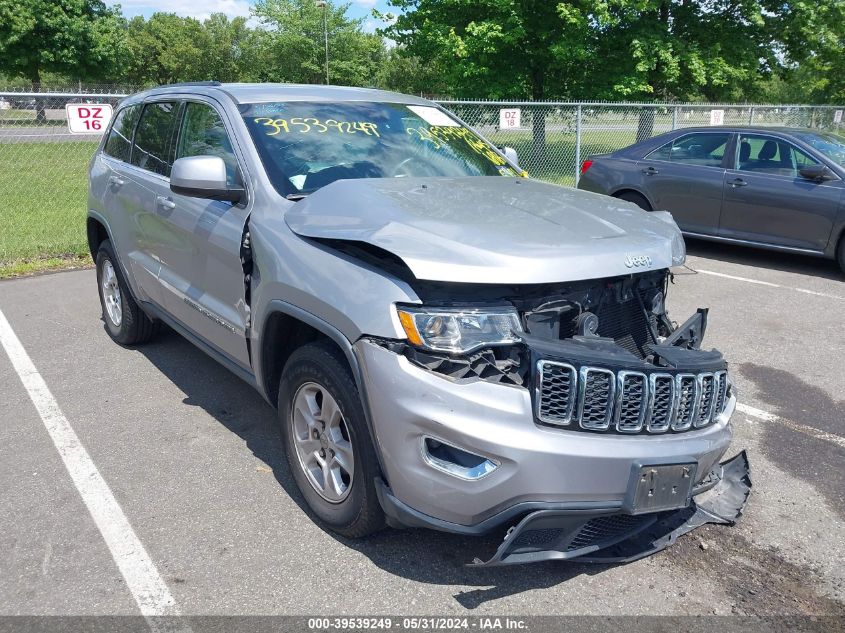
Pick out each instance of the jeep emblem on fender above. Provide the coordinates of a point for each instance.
(636, 261)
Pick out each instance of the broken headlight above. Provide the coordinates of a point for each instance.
(459, 330)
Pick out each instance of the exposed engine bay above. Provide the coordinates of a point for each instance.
(626, 316)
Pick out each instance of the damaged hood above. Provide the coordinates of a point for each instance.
(490, 229)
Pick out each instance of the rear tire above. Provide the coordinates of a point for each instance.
(840, 253)
(327, 441)
(126, 323)
(636, 198)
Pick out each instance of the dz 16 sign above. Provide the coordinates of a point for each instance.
(509, 118)
(88, 118)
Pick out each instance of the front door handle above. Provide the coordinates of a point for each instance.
(650, 171)
(737, 182)
(117, 181)
(165, 203)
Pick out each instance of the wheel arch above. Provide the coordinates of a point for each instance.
(629, 189)
(97, 233)
(285, 328)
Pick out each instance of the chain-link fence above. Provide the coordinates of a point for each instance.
(43, 175)
(43, 164)
(552, 139)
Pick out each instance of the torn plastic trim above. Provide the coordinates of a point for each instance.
(401, 516)
(631, 537)
(504, 364)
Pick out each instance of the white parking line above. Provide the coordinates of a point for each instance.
(144, 582)
(801, 428)
(768, 283)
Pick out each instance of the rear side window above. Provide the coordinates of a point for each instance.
(203, 134)
(154, 137)
(706, 149)
(119, 142)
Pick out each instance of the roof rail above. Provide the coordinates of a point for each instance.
(191, 83)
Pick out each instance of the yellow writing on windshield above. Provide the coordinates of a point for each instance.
(442, 135)
(307, 125)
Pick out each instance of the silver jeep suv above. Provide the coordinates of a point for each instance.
(449, 344)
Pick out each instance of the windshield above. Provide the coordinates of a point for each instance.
(308, 145)
(831, 145)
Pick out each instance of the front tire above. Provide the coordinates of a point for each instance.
(126, 323)
(327, 442)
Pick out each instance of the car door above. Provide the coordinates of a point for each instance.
(201, 275)
(126, 198)
(148, 167)
(767, 200)
(685, 177)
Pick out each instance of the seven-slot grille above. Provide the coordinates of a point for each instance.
(598, 399)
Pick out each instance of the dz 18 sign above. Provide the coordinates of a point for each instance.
(88, 118)
(509, 118)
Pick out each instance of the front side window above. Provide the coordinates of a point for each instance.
(307, 145)
(768, 155)
(119, 142)
(831, 145)
(706, 149)
(154, 136)
(203, 134)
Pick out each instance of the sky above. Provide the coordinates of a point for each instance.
(203, 8)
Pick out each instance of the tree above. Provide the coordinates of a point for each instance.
(499, 49)
(165, 49)
(405, 73)
(684, 49)
(813, 40)
(229, 49)
(82, 39)
(294, 46)
(577, 49)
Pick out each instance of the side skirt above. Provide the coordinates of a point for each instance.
(156, 313)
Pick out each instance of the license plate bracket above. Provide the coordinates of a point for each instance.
(660, 487)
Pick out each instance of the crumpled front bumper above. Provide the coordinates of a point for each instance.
(622, 538)
(538, 467)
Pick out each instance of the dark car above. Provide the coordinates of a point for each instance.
(777, 188)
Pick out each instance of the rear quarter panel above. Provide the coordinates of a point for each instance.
(609, 175)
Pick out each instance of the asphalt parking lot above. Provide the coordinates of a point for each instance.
(191, 455)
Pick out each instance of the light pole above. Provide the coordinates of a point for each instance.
(325, 6)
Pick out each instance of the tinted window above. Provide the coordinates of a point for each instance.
(695, 149)
(119, 141)
(153, 138)
(768, 155)
(203, 134)
(831, 145)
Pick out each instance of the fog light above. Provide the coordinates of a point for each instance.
(455, 461)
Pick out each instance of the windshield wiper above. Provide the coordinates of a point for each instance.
(296, 196)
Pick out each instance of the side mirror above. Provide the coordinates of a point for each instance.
(815, 172)
(203, 177)
(511, 155)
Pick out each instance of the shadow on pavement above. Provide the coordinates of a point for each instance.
(759, 258)
(801, 454)
(420, 555)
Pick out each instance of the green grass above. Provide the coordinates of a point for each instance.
(557, 164)
(17, 115)
(43, 189)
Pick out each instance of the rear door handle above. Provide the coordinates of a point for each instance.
(165, 203)
(650, 171)
(116, 181)
(737, 182)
